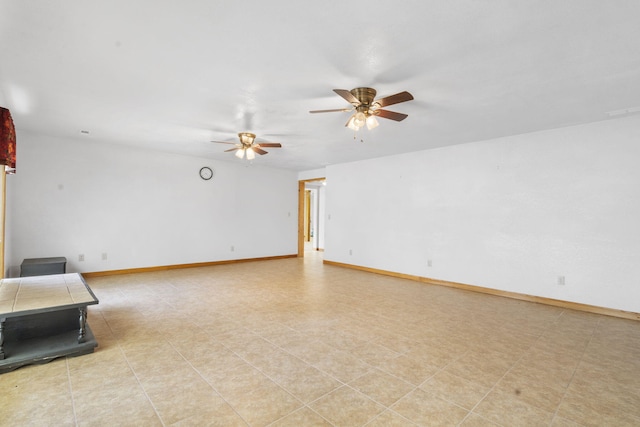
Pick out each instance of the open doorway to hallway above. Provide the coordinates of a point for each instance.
(311, 197)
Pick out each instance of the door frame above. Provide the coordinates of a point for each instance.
(301, 198)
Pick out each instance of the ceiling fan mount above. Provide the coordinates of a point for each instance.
(365, 95)
(246, 138)
(366, 108)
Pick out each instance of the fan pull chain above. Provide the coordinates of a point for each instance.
(355, 136)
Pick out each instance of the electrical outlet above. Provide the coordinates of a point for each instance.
(232, 248)
(81, 257)
(560, 280)
(104, 256)
(350, 252)
(429, 263)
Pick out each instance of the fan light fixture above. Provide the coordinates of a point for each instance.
(361, 118)
(372, 122)
(366, 107)
(240, 153)
(248, 147)
(246, 139)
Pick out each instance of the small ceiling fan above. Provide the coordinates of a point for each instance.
(366, 107)
(248, 146)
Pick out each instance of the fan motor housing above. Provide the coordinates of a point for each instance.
(365, 95)
(246, 138)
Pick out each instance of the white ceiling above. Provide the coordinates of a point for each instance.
(173, 75)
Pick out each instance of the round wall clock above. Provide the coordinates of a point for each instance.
(206, 173)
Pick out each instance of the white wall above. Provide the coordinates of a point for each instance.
(313, 216)
(142, 208)
(312, 174)
(511, 214)
(322, 223)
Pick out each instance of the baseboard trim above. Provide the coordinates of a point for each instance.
(506, 294)
(180, 266)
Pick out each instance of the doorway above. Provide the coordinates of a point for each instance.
(310, 217)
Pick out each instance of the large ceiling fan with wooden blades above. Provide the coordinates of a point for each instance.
(366, 108)
(248, 146)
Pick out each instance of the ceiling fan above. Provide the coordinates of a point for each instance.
(248, 146)
(366, 107)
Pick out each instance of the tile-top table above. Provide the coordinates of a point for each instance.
(42, 318)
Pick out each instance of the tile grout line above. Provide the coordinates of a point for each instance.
(206, 381)
(305, 404)
(73, 401)
(280, 348)
(573, 374)
(347, 384)
(124, 355)
(442, 369)
(416, 387)
(298, 410)
(509, 370)
(393, 412)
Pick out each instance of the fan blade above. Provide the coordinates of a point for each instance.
(231, 149)
(348, 96)
(398, 117)
(258, 150)
(269, 144)
(331, 111)
(394, 99)
(224, 142)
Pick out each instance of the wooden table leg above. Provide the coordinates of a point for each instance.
(83, 324)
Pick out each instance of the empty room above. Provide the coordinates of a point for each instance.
(243, 213)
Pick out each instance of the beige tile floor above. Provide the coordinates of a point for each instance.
(297, 343)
